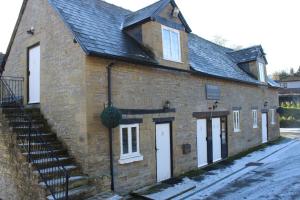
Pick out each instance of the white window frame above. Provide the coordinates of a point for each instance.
(262, 74)
(236, 121)
(130, 156)
(163, 44)
(254, 118)
(273, 121)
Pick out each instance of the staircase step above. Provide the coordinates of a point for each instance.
(51, 162)
(74, 194)
(52, 172)
(42, 146)
(36, 137)
(25, 123)
(24, 129)
(74, 182)
(20, 110)
(41, 154)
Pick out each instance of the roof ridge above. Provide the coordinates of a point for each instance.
(253, 46)
(125, 9)
(213, 43)
(144, 8)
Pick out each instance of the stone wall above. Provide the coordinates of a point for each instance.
(62, 72)
(142, 87)
(17, 180)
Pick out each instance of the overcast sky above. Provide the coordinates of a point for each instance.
(272, 23)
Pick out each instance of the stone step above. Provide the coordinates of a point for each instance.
(11, 116)
(19, 110)
(74, 182)
(25, 129)
(57, 171)
(52, 161)
(74, 194)
(41, 146)
(25, 123)
(42, 154)
(36, 137)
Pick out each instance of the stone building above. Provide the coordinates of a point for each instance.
(185, 101)
(290, 89)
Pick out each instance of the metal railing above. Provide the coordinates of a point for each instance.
(40, 152)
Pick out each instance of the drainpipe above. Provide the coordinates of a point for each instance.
(110, 130)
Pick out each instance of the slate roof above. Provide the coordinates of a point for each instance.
(247, 54)
(273, 83)
(143, 13)
(97, 26)
(212, 59)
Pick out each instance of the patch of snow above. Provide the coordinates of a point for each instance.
(185, 185)
(215, 180)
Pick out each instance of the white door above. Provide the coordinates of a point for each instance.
(264, 127)
(163, 152)
(216, 139)
(201, 142)
(34, 75)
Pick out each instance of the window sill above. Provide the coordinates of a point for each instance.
(175, 61)
(130, 159)
(255, 127)
(236, 131)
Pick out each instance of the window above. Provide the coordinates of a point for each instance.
(254, 117)
(262, 76)
(129, 141)
(273, 121)
(171, 44)
(236, 121)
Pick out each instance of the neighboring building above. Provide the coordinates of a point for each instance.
(290, 89)
(186, 102)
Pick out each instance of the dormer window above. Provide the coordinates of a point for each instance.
(171, 44)
(262, 76)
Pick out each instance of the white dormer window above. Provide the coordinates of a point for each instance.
(262, 76)
(171, 44)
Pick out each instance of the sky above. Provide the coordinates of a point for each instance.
(272, 23)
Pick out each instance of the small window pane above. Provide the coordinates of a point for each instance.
(125, 140)
(175, 45)
(134, 139)
(166, 44)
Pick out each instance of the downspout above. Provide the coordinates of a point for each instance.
(110, 130)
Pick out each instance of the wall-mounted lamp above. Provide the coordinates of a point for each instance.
(265, 104)
(31, 31)
(215, 105)
(167, 105)
(175, 12)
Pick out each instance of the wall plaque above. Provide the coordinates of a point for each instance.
(213, 92)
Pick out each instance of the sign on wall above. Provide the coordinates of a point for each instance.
(213, 92)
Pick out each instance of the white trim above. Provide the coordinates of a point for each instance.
(254, 118)
(130, 156)
(262, 74)
(273, 121)
(179, 44)
(236, 121)
(124, 160)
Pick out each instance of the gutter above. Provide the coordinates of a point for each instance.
(110, 130)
